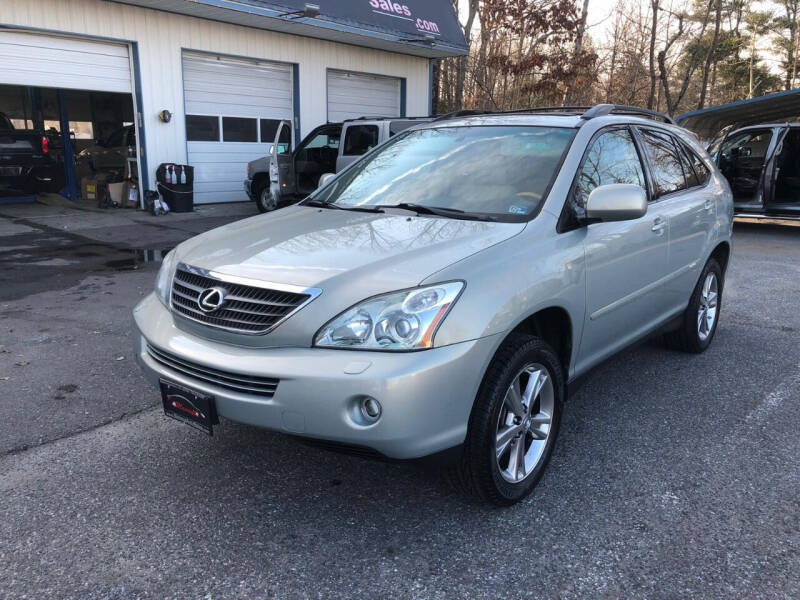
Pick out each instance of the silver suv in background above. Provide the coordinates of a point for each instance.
(439, 296)
(287, 175)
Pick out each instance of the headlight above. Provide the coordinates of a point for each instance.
(404, 320)
(249, 171)
(164, 278)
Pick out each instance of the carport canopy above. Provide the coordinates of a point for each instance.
(779, 107)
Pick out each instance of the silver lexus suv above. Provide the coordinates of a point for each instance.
(440, 295)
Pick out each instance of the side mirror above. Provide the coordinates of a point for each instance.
(616, 202)
(325, 178)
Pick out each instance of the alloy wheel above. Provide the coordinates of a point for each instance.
(707, 311)
(524, 423)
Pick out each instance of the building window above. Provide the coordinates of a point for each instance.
(269, 127)
(202, 129)
(239, 129)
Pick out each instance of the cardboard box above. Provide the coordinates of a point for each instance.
(94, 189)
(89, 189)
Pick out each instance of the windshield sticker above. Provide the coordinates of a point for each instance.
(518, 210)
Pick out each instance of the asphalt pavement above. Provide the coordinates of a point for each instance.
(674, 476)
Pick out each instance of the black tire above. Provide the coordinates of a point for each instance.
(687, 337)
(477, 473)
(264, 200)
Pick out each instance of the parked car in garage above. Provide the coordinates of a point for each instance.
(111, 153)
(439, 296)
(26, 164)
(288, 175)
(762, 165)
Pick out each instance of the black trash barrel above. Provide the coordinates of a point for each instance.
(178, 196)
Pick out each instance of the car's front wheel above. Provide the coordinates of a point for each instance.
(265, 201)
(514, 422)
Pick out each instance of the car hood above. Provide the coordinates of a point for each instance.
(315, 247)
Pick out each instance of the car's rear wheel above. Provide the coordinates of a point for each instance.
(699, 322)
(514, 423)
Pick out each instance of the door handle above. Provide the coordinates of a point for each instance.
(709, 205)
(658, 225)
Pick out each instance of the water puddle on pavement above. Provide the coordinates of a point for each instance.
(47, 260)
(138, 257)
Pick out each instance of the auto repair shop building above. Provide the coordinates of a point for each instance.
(226, 71)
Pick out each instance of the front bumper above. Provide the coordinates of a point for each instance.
(248, 188)
(426, 396)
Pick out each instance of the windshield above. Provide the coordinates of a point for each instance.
(503, 172)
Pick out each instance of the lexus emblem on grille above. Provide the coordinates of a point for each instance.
(211, 299)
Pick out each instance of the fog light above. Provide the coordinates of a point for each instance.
(371, 409)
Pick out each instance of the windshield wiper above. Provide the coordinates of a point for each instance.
(322, 204)
(440, 211)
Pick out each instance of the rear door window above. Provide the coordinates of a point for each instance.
(665, 163)
(360, 139)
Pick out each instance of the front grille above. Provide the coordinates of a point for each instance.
(247, 384)
(247, 308)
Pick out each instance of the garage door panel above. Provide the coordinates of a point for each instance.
(278, 89)
(221, 86)
(115, 61)
(36, 41)
(218, 154)
(212, 104)
(350, 104)
(61, 62)
(352, 95)
(238, 75)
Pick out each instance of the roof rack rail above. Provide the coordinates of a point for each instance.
(586, 112)
(469, 112)
(384, 118)
(541, 109)
(601, 110)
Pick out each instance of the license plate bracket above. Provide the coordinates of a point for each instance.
(194, 408)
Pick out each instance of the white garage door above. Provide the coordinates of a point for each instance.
(353, 95)
(39, 60)
(233, 107)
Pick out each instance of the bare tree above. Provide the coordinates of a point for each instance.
(711, 51)
(651, 97)
(578, 50)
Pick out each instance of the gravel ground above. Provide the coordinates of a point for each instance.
(674, 475)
